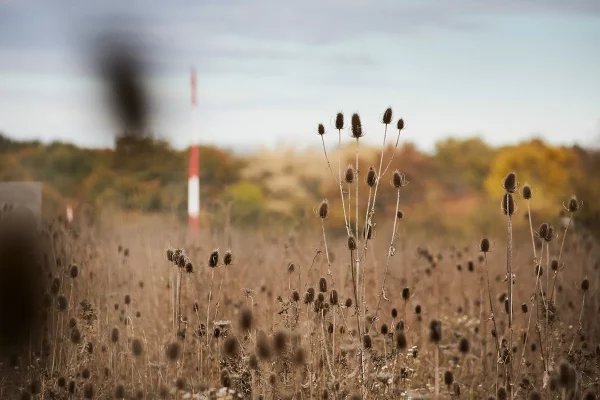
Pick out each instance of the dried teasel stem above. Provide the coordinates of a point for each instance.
(391, 252)
(584, 290)
(487, 275)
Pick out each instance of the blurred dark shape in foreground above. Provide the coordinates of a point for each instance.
(24, 272)
(24, 194)
(121, 68)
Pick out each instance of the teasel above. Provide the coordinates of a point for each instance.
(387, 116)
(399, 180)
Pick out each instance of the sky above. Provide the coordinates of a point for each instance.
(270, 70)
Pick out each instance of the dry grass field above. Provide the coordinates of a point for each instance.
(135, 307)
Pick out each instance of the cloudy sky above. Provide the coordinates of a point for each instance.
(270, 70)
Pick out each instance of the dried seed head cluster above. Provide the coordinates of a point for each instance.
(356, 129)
(323, 211)
(510, 183)
(399, 179)
(349, 174)
(321, 130)
(527, 194)
(574, 205)
(484, 245)
(387, 116)
(508, 204)
(179, 258)
(339, 121)
(371, 176)
(213, 259)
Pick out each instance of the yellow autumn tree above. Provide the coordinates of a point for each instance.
(550, 170)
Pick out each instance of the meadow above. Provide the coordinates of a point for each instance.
(138, 307)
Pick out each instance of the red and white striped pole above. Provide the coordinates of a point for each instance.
(193, 173)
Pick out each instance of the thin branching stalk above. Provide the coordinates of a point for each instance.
(346, 221)
(493, 316)
(559, 257)
(578, 323)
(510, 300)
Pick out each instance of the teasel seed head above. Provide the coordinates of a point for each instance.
(463, 345)
(309, 297)
(387, 116)
(333, 297)
(114, 335)
(371, 176)
(213, 259)
(524, 308)
(367, 342)
(295, 296)
(508, 204)
(169, 254)
(74, 271)
(348, 302)
(228, 258)
(510, 183)
(75, 336)
(280, 340)
(585, 285)
(323, 211)
(406, 293)
(399, 179)
(356, 129)
(62, 303)
(394, 313)
(384, 329)
(339, 121)
(435, 331)
(172, 351)
(543, 230)
(351, 243)
(502, 393)
(554, 265)
(484, 245)
(550, 234)
(189, 268)
(400, 124)
(400, 340)
(418, 309)
(527, 194)
(400, 214)
(137, 347)
(349, 174)
(448, 378)
(321, 130)
(574, 205)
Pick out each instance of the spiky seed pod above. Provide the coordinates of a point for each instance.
(435, 331)
(114, 335)
(323, 285)
(72, 323)
(400, 340)
(524, 308)
(527, 192)
(137, 347)
(88, 391)
(502, 393)
(573, 204)
(371, 176)
(189, 268)
(418, 309)
(310, 295)
(399, 179)
(213, 259)
(180, 382)
(543, 230)
(169, 254)
(246, 319)
(62, 303)
(387, 116)
(339, 121)
(470, 266)
(406, 293)
(228, 258)
(351, 243)
(295, 296)
(349, 174)
(348, 303)
(324, 209)
(321, 130)
(585, 285)
(394, 313)
(61, 382)
(90, 347)
(231, 346)
(484, 245)
(172, 351)
(280, 340)
(508, 204)
(510, 183)
(333, 297)
(554, 265)
(400, 124)
(74, 271)
(463, 345)
(71, 387)
(384, 329)
(321, 297)
(85, 374)
(400, 214)
(356, 129)
(367, 342)
(448, 378)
